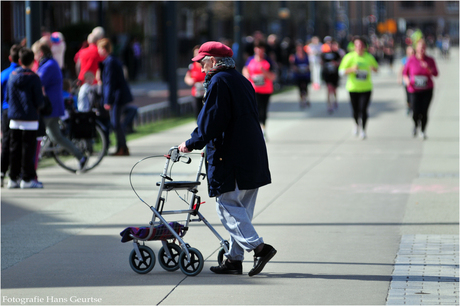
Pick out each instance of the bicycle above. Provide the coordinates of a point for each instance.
(89, 136)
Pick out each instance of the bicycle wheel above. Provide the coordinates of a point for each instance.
(94, 148)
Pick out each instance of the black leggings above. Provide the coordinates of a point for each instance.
(360, 102)
(303, 87)
(262, 105)
(420, 102)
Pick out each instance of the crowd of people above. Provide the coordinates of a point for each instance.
(33, 95)
(268, 64)
(271, 63)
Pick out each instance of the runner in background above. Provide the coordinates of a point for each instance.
(418, 74)
(358, 65)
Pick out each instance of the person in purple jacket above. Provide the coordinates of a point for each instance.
(51, 77)
(237, 161)
(418, 74)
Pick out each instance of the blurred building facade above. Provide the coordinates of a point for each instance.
(198, 21)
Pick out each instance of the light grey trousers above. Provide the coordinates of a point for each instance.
(235, 210)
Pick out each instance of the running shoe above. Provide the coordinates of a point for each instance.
(355, 130)
(13, 184)
(363, 135)
(31, 184)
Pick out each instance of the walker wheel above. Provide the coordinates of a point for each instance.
(220, 256)
(144, 265)
(170, 264)
(196, 262)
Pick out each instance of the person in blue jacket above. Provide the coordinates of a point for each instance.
(115, 92)
(25, 99)
(5, 156)
(237, 161)
(51, 76)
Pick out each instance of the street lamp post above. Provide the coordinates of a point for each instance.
(237, 21)
(171, 55)
(32, 22)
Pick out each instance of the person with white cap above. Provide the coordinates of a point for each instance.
(237, 160)
(58, 48)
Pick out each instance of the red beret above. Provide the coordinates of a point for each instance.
(213, 48)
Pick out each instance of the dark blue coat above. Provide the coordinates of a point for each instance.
(51, 76)
(228, 125)
(115, 89)
(24, 95)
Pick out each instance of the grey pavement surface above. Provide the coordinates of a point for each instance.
(355, 222)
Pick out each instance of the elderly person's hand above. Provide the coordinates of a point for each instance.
(183, 148)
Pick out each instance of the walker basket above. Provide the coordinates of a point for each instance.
(160, 232)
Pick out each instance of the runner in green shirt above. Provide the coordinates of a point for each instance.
(358, 65)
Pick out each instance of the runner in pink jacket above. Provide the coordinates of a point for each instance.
(418, 74)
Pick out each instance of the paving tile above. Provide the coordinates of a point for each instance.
(426, 271)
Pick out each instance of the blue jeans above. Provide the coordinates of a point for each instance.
(115, 119)
(130, 113)
(235, 210)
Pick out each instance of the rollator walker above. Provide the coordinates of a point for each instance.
(175, 253)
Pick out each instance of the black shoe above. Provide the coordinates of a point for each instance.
(261, 259)
(226, 267)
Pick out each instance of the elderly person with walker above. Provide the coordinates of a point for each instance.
(237, 161)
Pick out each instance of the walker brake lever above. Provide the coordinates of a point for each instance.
(188, 161)
(175, 155)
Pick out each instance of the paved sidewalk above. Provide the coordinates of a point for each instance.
(354, 222)
(426, 271)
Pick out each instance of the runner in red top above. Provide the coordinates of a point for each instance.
(195, 78)
(260, 71)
